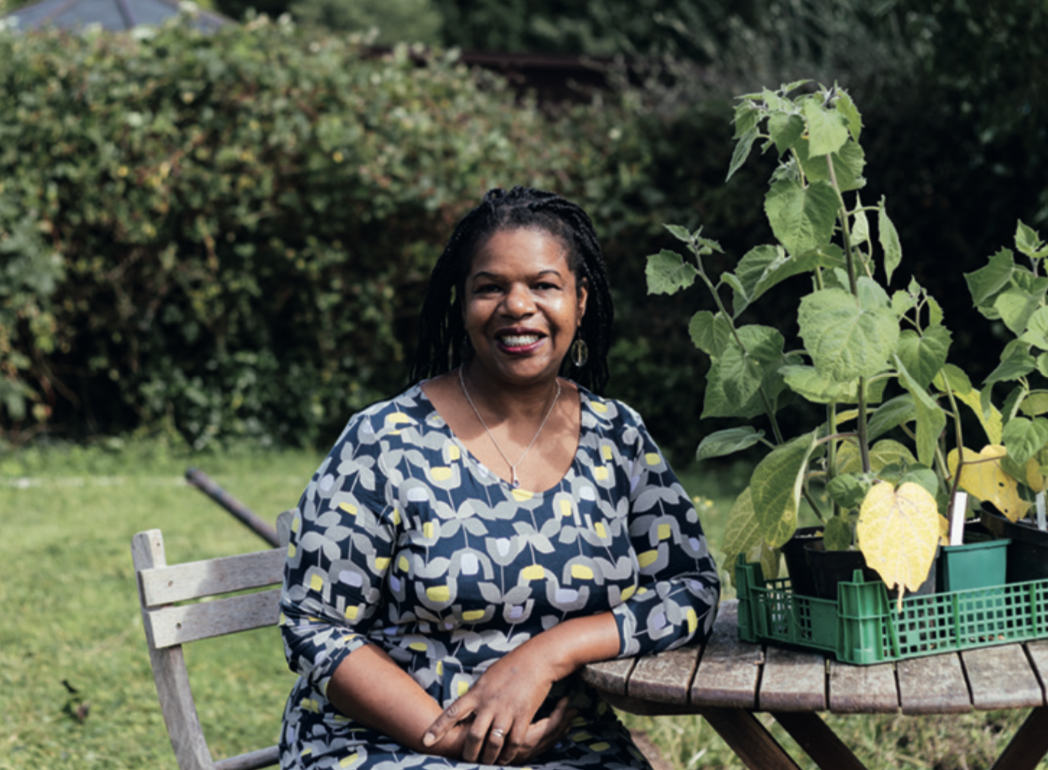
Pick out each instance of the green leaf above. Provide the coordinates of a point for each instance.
(742, 151)
(954, 376)
(891, 414)
(889, 240)
(987, 282)
(930, 417)
(1042, 364)
(741, 368)
(847, 491)
(717, 404)
(924, 355)
(847, 108)
(845, 340)
(811, 386)
(747, 116)
(742, 530)
(860, 227)
(709, 333)
(837, 535)
(848, 163)
(776, 487)
(1036, 333)
(668, 273)
(766, 266)
(785, 129)
(679, 232)
(827, 129)
(1024, 438)
(1016, 304)
(1028, 241)
(1016, 363)
(802, 218)
(1035, 403)
(726, 442)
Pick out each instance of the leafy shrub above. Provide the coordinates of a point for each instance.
(245, 219)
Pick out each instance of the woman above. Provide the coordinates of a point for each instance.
(469, 545)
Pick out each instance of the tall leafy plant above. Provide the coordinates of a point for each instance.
(871, 359)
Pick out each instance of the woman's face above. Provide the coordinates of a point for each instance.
(522, 305)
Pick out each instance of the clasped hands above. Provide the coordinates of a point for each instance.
(492, 723)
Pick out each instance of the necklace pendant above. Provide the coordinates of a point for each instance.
(516, 482)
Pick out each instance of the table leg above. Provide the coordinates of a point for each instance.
(749, 739)
(818, 740)
(1028, 746)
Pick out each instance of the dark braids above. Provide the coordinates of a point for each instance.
(442, 343)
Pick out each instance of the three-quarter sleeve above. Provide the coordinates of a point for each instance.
(340, 550)
(679, 589)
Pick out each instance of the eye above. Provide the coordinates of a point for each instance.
(486, 288)
(546, 286)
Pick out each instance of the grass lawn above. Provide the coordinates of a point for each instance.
(75, 686)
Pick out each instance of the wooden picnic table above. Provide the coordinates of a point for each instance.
(727, 681)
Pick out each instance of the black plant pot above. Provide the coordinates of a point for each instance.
(802, 581)
(832, 567)
(1028, 551)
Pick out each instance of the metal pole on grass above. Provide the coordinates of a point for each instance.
(254, 522)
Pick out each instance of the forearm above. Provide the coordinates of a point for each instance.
(570, 645)
(369, 687)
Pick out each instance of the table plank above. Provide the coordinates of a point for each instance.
(609, 676)
(934, 684)
(792, 681)
(1001, 678)
(665, 677)
(729, 669)
(863, 689)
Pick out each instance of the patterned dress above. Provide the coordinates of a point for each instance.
(404, 540)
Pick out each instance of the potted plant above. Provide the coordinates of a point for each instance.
(874, 362)
(1013, 294)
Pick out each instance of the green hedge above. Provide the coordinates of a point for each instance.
(244, 220)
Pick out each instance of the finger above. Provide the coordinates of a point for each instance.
(458, 711)
(476, 736)
(496, 741)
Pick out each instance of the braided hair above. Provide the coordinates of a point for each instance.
(443, 344)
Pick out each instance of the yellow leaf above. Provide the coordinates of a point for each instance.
(983, 477)
(898, 533)
(992, 422)
(1034, 479)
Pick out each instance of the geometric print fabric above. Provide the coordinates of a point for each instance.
(404, 540)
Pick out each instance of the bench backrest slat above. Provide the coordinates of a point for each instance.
(193, 622)
(211, 577)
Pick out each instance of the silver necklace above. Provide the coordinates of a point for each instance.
(512, 466)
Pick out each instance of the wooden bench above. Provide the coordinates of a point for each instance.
(183, 603)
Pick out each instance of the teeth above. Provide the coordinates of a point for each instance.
(517, 341)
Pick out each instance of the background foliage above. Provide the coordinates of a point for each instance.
(237, 227)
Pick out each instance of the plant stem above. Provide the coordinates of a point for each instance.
(853, 284)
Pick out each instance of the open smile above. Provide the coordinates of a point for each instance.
(519, 342)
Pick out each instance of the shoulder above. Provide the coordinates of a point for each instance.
(408, 411)
(607, 414)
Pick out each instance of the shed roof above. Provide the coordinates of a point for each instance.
(110, 14)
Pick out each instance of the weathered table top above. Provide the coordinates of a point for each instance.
(727, 673)
(726, 680)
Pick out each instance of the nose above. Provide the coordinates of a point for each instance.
(518, 301)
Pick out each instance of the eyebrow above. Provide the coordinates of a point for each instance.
(487, 274)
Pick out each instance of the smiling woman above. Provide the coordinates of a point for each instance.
(473, 542)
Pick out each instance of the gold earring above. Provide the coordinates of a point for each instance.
(579, 352)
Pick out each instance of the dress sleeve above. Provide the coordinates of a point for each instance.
(678, 588)
(341, 547)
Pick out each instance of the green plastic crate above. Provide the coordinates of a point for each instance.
(864, 626)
